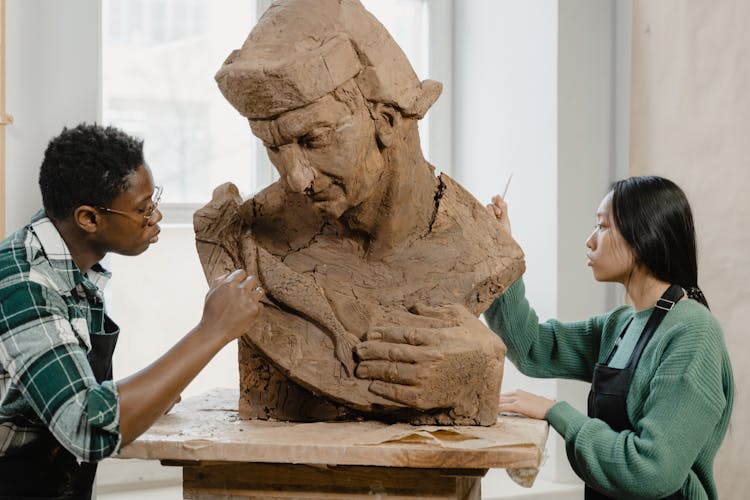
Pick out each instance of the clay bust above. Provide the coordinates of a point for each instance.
(361, 250)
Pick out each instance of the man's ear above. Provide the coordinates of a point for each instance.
(86, 218)
(387, 121)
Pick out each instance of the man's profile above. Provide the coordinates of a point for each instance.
(358, 239)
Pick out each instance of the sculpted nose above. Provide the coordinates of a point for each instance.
(299, 173)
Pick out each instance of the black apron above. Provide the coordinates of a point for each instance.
(47, 471)
(610, 386)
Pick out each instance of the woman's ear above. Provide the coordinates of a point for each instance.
(387, 121)
(86, 218)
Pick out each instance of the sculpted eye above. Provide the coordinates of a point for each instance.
(318, 138)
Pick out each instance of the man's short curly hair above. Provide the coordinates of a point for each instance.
(87, 165)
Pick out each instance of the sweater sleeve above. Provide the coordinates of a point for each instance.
(684, 405)
(550, 349)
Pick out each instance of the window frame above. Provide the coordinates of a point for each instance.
(440, 42)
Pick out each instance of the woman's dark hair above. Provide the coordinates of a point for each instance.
(87, 165)
(654, 217)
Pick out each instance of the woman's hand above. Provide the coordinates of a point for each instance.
(525, 403)
(499, 209)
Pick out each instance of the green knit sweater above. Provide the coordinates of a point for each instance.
(679, 403)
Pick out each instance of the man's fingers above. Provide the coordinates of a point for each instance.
(218, 280)
(397, 373)
(237, 274)
(396, 352)
(250, 283)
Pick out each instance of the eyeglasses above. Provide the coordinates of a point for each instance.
(147, 215)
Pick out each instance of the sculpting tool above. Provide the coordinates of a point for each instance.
(505, 191)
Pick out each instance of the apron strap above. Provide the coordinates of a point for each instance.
(665, 304)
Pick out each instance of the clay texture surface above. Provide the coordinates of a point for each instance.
(362, 251)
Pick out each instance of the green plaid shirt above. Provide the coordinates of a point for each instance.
(49, 310)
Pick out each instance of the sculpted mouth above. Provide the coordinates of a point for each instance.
(325, 192)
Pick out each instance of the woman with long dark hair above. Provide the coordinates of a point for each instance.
(662, 388)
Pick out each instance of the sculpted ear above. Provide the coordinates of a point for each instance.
(85, 217)
(387, 121)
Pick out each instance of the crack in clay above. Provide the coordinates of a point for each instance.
(438, 196)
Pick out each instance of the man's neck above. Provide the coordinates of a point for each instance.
(405, 205)
(81, 250)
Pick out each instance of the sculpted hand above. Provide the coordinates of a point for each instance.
(232, 304)
(499, 209)
(453, 363)
(525, 403)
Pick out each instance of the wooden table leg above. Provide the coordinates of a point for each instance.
(225, 480)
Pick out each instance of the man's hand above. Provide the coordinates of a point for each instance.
(179, 398)
(526, 404)
(453, 362)
(232, 304)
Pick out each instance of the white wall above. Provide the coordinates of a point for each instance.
(539, 93)
(505, 111)
(525, 100)
(162, 301)
(690, 115)
(52, 58)
(53, 75)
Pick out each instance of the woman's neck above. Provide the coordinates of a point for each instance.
(644, 289)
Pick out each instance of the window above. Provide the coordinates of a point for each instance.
(158, 62)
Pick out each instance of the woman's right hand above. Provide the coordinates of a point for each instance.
(499, 209)
(232, 304)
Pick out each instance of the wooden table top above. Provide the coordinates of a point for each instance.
(207, 428)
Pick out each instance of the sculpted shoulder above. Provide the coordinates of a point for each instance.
(466, 251)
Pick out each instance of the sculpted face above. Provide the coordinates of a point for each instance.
(326, 150)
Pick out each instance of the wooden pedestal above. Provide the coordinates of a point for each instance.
(307, 482)
(224, 457)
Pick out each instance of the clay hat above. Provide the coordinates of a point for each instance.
(301, 50)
